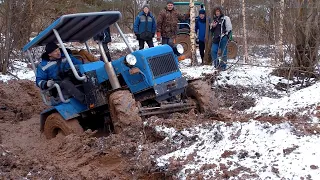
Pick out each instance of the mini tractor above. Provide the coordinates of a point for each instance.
(119, 93)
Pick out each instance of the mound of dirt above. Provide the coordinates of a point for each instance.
(19, 100)
(232, 96)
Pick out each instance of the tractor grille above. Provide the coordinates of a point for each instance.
(163, 65)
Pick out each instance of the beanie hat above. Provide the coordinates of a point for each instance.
(202, 11)
(146, 5)
(169, 1)
(50, 47)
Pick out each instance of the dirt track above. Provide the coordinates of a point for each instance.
(24, 151)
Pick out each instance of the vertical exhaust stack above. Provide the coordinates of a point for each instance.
(109, 68)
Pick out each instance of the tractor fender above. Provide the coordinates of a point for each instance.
(43, 116)
(66, 110)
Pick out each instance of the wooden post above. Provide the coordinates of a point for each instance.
(194, 60)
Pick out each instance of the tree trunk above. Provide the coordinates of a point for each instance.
(245, 45)
(194, 60)
(307, 35)
(208, 38)
(7, 45)
(279, 49)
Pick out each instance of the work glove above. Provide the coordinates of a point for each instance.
(138, 36)
(50, 83)
(158, 36)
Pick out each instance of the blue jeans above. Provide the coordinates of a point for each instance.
(214, 53)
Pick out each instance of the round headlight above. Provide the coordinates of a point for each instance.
(180, 48)
(131, 59)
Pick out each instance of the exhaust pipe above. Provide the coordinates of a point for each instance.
(109, 68)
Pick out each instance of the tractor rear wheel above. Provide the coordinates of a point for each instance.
(184, 40)
(55, 124)
(124, 111)
(201, 91)
(232, 50)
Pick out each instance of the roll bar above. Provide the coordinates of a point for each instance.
(75, 73)
(59, 93)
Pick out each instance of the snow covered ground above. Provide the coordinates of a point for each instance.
(250, 150)
(20, 70)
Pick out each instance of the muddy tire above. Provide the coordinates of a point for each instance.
(201, 91)
(184, 40)
(124, 111)
(55, 123)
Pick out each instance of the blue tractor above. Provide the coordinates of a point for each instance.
(117, 93)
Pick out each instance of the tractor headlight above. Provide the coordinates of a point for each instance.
(179, 48)
(131, 59)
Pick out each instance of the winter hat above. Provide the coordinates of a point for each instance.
(202, 11)
(169, 1)
(146, 5)
(50, 47)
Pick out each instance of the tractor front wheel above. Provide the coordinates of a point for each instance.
(124, 111)
(55, 124)
(202, 93)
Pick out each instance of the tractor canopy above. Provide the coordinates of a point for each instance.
(78, 27)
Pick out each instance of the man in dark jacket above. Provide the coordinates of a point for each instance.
(201, 30)
(52, 69)
(167, 23)
(105, 38)
(221, 27)
(145, 27)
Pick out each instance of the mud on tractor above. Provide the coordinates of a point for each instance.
(117, 93)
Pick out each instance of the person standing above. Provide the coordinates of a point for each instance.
(201, 31)
(105, 38)
(145, 27)
(221, 28)
(167, 23)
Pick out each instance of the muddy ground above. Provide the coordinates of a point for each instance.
(25, 153)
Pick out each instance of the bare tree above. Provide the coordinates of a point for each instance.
(245, 46)
(194, 60)
(279, 49)
(307, 35)
(208, 37)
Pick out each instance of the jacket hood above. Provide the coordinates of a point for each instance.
(218, 8)
(45, 56)
(142, 13)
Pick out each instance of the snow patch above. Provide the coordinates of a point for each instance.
(269, 151)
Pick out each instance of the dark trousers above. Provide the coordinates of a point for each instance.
(141, 43)
(168, 41)
(106, 50)
(201, 49)
(69, 89)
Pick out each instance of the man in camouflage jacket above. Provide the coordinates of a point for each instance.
(167, 23)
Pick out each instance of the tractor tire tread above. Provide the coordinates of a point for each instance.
(55, 121)
(124, 111)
